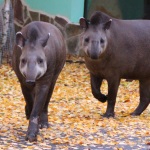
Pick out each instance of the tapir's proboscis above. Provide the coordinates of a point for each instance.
(117, 49)
(38, 58)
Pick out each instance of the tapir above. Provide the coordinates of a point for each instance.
(38, 58)
(116, 49)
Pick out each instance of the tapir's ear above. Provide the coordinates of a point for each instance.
(44, 41)
(83, 23)
(20, 40)
(106, 25)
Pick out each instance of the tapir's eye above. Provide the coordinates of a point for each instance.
(102, 41)
(87, 40)
(23, 61)
(40, 61)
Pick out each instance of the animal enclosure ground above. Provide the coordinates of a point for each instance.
(74, 115)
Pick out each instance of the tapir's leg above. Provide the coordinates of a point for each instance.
(95, 86)
(144, 97)
(113, 85)
(41, 93)
(43, 120)
(29, 100)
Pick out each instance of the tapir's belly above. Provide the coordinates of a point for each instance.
(122, 70)
(139, 72)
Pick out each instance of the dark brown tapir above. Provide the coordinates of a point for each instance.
(38, 57)
(116, 49)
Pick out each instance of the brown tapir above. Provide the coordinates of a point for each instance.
(116, 49)
(38, 58)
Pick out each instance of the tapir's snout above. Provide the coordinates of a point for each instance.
(33, 69)
(30, 75)
(93, 49)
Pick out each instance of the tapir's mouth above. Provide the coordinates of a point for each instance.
(94, 57)
(30, 82)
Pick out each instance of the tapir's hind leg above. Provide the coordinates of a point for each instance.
(144, 97)
(28, 99)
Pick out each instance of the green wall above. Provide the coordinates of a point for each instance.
(132, 9)
(1, 2)
(126, 9)
(72, 9)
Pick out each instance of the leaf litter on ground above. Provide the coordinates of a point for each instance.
(74, 115)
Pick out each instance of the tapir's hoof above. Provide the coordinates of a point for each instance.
(43, 125)
(135, 114)
(102, 98)
(31, 137)
(108, 115)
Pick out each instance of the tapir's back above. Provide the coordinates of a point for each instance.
(130, 30)
(131, 47)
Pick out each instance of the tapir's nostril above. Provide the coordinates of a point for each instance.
(30, 81)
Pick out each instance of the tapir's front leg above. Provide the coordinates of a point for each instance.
(41, 93)
(28, 95)
(113, 84)
(96, 83)
(43, 120)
